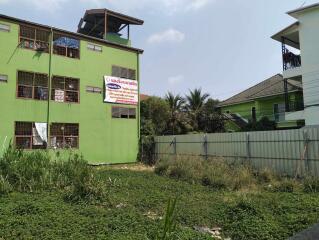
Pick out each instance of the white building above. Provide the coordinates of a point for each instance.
(300, 51)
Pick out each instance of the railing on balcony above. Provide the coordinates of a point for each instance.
(290, 60)
(295, 106)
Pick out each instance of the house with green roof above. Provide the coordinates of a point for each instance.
(265, 99)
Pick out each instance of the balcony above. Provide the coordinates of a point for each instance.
(295, 106)
(295, 111)
(290, 60)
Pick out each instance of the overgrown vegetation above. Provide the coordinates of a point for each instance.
(246, 205)
(139, 210)
(220, 175)
(35, 171)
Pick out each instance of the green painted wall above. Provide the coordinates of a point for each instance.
(102, 139)
(264, 107)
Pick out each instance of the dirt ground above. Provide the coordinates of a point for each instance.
(138, 167)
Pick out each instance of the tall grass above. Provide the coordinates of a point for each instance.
(36, 171)
(222, 175)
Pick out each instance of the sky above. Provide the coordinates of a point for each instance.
(221, 46)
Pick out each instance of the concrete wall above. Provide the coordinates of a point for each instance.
(103, 139)
(309, 38)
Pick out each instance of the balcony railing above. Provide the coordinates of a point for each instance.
(290, 60)
(295, 106)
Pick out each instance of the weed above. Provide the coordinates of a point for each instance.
(311, 185)
(169, 221)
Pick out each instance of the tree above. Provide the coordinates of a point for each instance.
(175, 104)
(195, 102)
(154, 116)
(210, 119)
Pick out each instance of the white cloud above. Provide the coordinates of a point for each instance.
(175, 79)
(45, 5)
(169, 35)
(167, 6)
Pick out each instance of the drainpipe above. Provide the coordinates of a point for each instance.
(49, 86)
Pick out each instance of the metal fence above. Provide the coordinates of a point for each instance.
(287, 152)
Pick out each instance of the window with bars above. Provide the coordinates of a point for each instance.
(32, 85)
(123, 72)
(94, 47)
(122, 112)
(34, 38)
(66, 46)
(64, 135)
(30, 135)
(65, 89)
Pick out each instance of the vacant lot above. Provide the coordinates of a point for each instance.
(138, 202)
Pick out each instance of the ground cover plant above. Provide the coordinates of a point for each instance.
(136, 206)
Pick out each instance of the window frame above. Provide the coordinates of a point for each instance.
(33, 86)
(65, 90)
(120, 69)
(66, 48)
(5, 30)
(63, 136)
(47, 50)
(119, 112)
(26, 136)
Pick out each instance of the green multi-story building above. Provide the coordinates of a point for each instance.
(62, 90)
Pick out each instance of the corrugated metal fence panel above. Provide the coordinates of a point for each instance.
(287, 151)
(231, 146)
(313, 151)
(191, 144)
(164, 147)
(276, 150)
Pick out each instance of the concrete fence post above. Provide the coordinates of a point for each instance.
(248, 153)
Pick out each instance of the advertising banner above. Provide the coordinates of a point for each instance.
(120, 90)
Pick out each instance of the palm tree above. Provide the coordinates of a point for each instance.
(175, 103)
(195, 103)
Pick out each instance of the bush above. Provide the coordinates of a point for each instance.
(35, 171)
